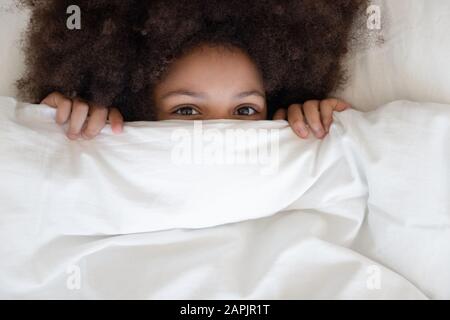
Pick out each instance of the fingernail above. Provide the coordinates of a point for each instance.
(318, 130)
(73, 136)
(117, 130)
(301, 129)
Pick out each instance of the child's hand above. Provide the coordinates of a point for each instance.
(86, 120)
(315, 116)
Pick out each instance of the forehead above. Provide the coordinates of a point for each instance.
(213, 67)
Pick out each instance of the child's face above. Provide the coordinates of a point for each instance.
(211, 83)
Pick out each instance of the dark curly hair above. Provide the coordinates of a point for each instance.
(124, 47)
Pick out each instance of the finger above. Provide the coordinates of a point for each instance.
(280, 114)
(78, 117)
(312, 115)
(116, 120)
(326, 114)
(62, 104)
(96, 122)
(338, 105)
(342, 106)
(297, 121)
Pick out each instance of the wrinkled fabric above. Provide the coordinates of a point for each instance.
(362, 214)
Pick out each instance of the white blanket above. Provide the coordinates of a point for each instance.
(227, 209)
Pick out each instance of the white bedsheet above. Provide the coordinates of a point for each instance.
(364, 213)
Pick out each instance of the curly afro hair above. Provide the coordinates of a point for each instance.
(124, 47)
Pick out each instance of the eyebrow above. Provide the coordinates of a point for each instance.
(201, 95)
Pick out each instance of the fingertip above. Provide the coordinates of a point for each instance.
(117, 129)
(301, 130)
(342, 106)
(73, 136)
(318, 130)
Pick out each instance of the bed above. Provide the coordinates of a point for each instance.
(363, 214)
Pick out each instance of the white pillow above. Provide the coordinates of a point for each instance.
(12, 22)
(413, 62)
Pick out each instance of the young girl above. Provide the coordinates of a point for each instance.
(192, 60)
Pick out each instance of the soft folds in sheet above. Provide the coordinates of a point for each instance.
(165, 175)
(362, 214)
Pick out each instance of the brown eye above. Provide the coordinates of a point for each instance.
(246, 111)
(186, 111)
